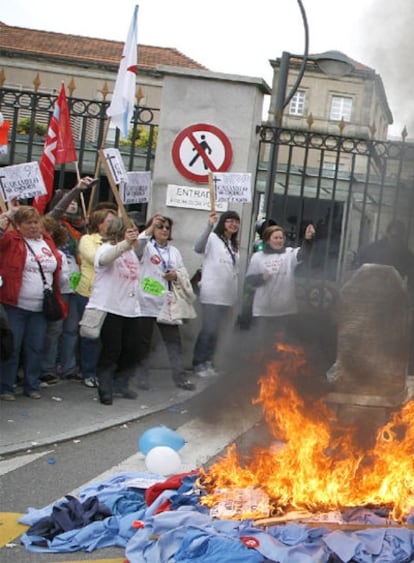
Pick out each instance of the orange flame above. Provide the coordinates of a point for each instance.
(317, 466)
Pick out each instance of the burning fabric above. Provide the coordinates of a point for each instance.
(317, 464)
(313, 495)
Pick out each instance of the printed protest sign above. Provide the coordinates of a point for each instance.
(137, 188)
(115, 165)
(21, 181)
(232, 187)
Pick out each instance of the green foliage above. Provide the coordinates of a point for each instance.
(143, 138)
(23, 127)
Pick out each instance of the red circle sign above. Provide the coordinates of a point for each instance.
(200, 149)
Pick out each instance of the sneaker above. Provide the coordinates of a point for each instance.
(7, 397)
(211, 369)
(201, 370)
(185, 384)
(34, 395)
(90, 382)
(49, 379)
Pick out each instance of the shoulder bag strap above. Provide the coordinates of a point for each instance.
(38, 263)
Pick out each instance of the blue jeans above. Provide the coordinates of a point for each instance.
(213, 319)
(62, 340)
(88, 348)
(29, 330)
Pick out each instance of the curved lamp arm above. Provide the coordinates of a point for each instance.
(304, 58)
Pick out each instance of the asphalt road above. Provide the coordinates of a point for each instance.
(209, 421)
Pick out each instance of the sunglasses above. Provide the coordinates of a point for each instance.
(161, 226)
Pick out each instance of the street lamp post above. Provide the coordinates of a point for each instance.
(280, 103)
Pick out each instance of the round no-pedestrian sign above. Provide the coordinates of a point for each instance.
(200, 149)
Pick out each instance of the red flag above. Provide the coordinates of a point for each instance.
(58, 148)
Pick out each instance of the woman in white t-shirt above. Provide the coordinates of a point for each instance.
(271, 273)
(23, 252)
(218, 286)
(159, 261)
(114, 291)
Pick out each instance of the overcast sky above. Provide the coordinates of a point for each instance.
(239, 38)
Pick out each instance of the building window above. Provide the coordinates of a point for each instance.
(341, 108)
(297, 103)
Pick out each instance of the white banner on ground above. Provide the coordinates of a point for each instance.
(21, 181)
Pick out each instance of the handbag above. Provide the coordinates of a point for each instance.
(51, 306)
(165, 316)
(91, 323)
(196, 280)
(52, 309)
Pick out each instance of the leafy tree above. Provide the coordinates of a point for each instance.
(23, 127)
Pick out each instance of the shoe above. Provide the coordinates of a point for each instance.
(201, 370)
(143, 384)
(211, 369)
(34, 395)
(90, 382)
(49, 379)
(106, 400)
(125, 394)
(185, 384)
(73, 377)
(7, 397)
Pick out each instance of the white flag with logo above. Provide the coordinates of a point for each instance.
(123, 98)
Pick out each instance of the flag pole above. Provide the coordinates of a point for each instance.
(122, 105)
(3, 204)
(81, 196)
(98, 163)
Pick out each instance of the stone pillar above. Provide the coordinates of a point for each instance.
(372, 353)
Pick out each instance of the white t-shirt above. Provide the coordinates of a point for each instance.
(277, 296)
(115, 286)
(219, 279)
(31, 290)
(154, 263)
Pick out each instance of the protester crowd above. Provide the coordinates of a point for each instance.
(113, 285)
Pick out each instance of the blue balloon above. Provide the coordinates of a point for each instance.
(160, 436)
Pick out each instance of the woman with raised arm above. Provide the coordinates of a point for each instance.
(218, 286)
(114, 292)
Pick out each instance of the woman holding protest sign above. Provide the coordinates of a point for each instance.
(29, 262)
(161, 267)
(218, 286)
(116, 266)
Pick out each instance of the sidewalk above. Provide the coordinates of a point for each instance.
(69, 410)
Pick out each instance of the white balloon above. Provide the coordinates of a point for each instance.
(163, 460)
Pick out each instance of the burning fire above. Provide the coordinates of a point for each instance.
(316, 464)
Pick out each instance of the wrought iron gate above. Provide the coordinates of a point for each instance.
(349, 188)
(30, 113)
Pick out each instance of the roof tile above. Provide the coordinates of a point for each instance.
(77, 48)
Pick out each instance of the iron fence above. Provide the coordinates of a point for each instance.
(349, 188)
(30, 112)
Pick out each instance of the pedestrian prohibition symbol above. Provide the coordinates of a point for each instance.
(200, 149)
